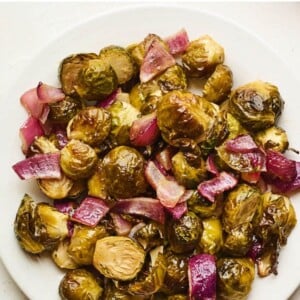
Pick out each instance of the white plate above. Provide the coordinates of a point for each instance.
(249, 59)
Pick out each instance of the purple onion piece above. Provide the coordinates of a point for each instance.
(202, 274)
(90, 211)
(211, 165)
(241, 144)
(142, 206)
(39, 166)
(49, 94)
(217, 185)
(121, 226)
(178, 42)
(178, 211)
(110, 99)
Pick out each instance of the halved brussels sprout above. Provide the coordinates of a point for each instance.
(91, 125)
(186, 174)
(202, 56)
(184, 234)
(50, 225)
(83, 241)
(80, 284)
(96, 183)
(121, 61)
(274, 138)
(124, 164)
(23, 228)
(235, 277)
(42, 144)
(219, 84)
(183, 116)
(240, 206)
(70, 69)
(234, 127)
(118, 257)
(176, 278)
(257, 105)
(63, 111)
(61, 257)
(211, 240)
(123, 114)
(78, 159)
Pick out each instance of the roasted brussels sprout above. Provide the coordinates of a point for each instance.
(124, 164)
(240, 206)
(23, 228)
(62, 112)
(218, 86)
(235, 277)
(70, 70)
(78, 159)
(183, 116)
(211, 240)
(184, 234)
(118, 257)
(83, 241)
(149, 236)
(56, 188)
(234, 127)
(50, 225)
(91, 125)
(257, 105)
(42, 144)
(61, 256)
(186, 174)
(278, 218)
(121, 61)
(178, 297)
(202, 56)
(96, 183)
(274, 138)
(80, 284)
(123, 114)
(176, 278)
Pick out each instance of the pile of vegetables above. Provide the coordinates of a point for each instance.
(156, 191)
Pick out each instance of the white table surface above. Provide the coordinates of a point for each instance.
(25, 28)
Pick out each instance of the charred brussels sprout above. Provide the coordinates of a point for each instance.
(62, 112)
(78, 159)
(123, 114)
(183, 234)
(176, 278)
(80, 284)
(184, 116)
(121, 61)
(23, 226)
(235, 277)
(50, 225)
(257, 105)
(185, 173)
(240, 206)
(124, 164)
(211, 240)
(82, 243)
(274, 138)
(70, 70)
(118, 258)
(91, 125)
(202, 56)
(219, 84)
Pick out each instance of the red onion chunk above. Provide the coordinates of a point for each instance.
(156, 60)
(144, 131)
(29, 131)
(90, 211)
(33, 105)
(122, 226)
(255, 249)
(202, 274)
(178, 42)
(65, 206)
(142, 206)
(217, 185)
(168, 191)
(164, 158)
(49, 94)
(241, 144)
(61, 138)
(279, 166)
(39, 166)
(110, 99)
(211, 166)
(178, 211)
